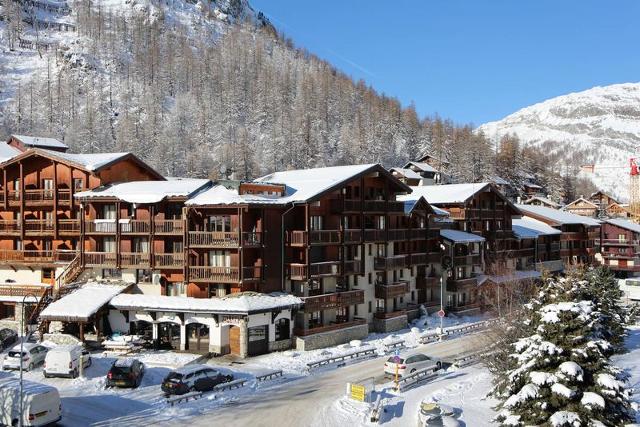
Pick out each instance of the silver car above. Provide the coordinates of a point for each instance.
(32, 355)
(409, 364)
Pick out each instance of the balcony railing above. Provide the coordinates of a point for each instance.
(314, 237)
(9, 256)
(214, 274)
(319, 269)
(466, 260)
(38, 226)
(170, 260)
(251, 239)
(453, 285)
(398, 234)
(16, 290)
(352, 236)
(38, 197)
(168, 226)
(213, 239)
(389, 315)
(418, 259)
(390, 263)
(352, 267)
(69, 226)
(332, 301)
(301, 332)
(375, 235)
(101, 259)
(252, 273)
(10, 227)
(619, 242)
(135, 226)
(135, 259)
(573, 236)
(100, 226)
(391, 290)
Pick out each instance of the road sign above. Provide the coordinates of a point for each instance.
(441, 313)
(358, 392)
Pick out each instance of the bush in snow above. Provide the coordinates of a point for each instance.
(560, 374)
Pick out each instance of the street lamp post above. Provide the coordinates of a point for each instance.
(24, 336)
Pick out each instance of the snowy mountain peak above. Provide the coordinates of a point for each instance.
(598, 126)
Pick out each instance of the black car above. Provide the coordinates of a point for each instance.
(193, 378)
(8, 338)
(125, 373)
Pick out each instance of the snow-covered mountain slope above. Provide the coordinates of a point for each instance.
(33, 33)
(599, 126)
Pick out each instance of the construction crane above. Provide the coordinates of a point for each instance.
(634, 182)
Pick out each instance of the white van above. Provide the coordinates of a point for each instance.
(41, 403)
(64, 361)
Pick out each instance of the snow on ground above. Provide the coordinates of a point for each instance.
(295, 361)
(629, 362)
(465, 390)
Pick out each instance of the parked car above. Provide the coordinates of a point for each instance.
(125, 373)
(64, 361)
(436, 414)
(193, 378)
(410, 364)
(41, 403)
(31, 356)
(8, 337)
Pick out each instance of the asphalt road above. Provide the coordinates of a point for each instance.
(300, 402)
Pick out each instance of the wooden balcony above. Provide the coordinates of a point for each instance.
(101, 259)
(16, 290)
(169, 260)
(38, 197)
(434, 257)
(333, 301)
(339, 206)
(314, 237)
(419, 234)
(466, 260)
(168, 226)
(352, 236)
(352, 267)
(573, 236)
(135, 226)
(135, 260)
(390, 263)
(383, 206)
(398, 234)
(454, 285)
(619, 242)
(319, 269)
(419, 259)
(38, 227)
(100, 226)
(253, 273)
(425, 282)
(8, 256)
(301, 332)
(389, 315)
(214, 274)
(391, 290)
(69, 227)
(251, 239)
(375, 235)
(213, 239)
(10, 227)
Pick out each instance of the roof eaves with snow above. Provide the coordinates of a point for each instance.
(515, 276)
(622, 223)
(81, 304)
(425, 167)
(557, 217)
(458, 236)
(40, 142)
(527, 228)
(578, 200)
(543, 200)
(458, 194)
(407, 173)
(147, 191)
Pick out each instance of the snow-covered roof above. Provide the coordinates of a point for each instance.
(407, 173)
(458, 236)
(499, 180)
(40, 142)
(514, 276)
(301, 186)
(425, 167)
(449, 193)
(83, 303)
(543, 200)
(243, 303)
(556, 216)
(623, 223)
(147, 191)
(530, 228)
(411, 199)
(8, 152)
(581, 200)
(90, 161)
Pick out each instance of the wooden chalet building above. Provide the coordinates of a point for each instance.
(620, 247)
(542, 201)
(584, 207)
(580, 235)
(539, 245)
(40, 222)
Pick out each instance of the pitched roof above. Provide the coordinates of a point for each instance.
(543, 200)
(407, 173)
(448, 194)
(411, 200)
(40, 142)
(83, 303)
(499, 180)
(425, 167)
(410, 205)
(427, 156)
(8, 152)
(581, 199)
(458, 236)
(527, 227)
(555, 216)
(147, 191)
(301, 186)
(622, 223)
(604, 194)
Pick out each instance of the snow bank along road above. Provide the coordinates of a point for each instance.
(299, 403)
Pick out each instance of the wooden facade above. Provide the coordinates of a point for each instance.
(620, 248)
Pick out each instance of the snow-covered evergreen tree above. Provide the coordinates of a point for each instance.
(560, 374)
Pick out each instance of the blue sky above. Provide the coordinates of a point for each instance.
(472, 60)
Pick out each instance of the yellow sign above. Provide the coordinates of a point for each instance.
(358, 392)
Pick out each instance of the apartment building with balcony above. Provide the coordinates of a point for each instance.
(620, 247)
(136, 232)
(40, 222)
(538, 246)
(481, 209)
(579, 237)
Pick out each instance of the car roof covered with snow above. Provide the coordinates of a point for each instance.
(557, 217)
(127, 362)
(188, 369)
(25, 346)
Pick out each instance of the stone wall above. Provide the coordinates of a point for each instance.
(390, 325)
(413, 314)
(327, 339)
(279, 345)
